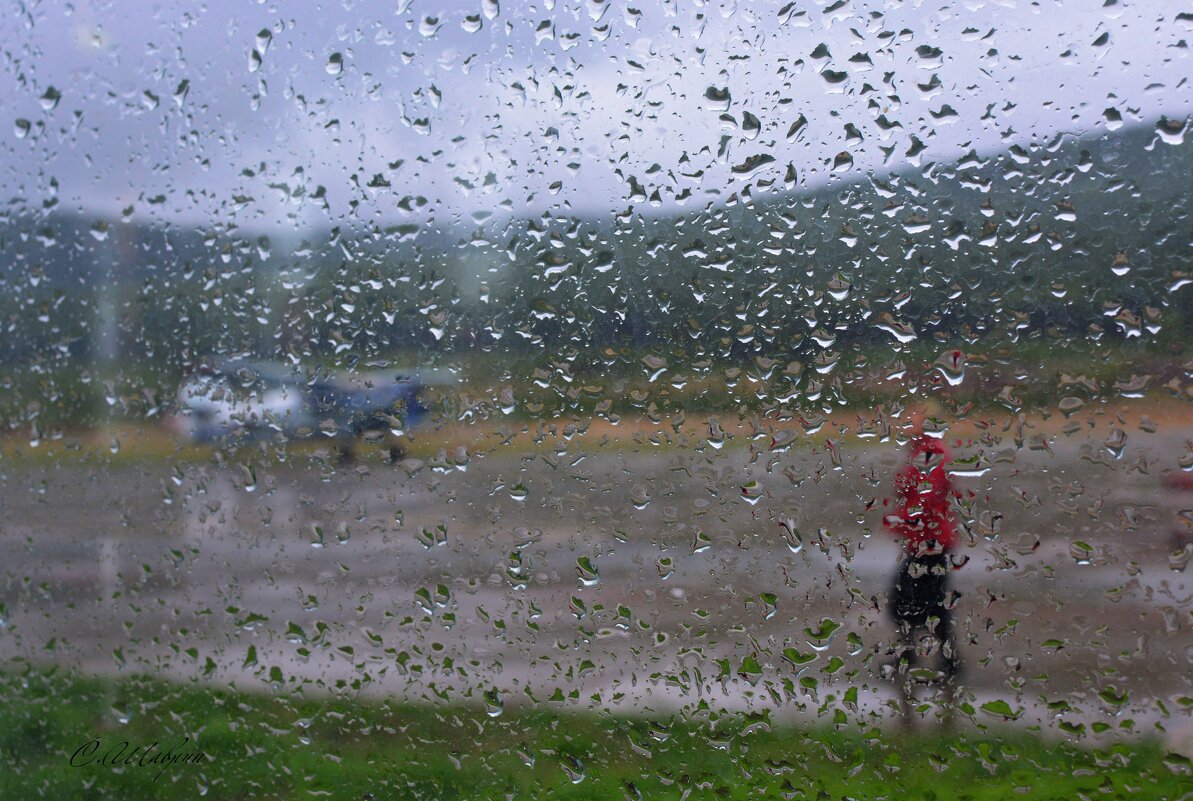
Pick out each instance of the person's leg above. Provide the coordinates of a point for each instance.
(902, 607)
(903, 677)
(949, 657)
(950, 661)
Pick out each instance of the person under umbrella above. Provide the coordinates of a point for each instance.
(921, 601)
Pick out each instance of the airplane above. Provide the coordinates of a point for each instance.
(238, 401)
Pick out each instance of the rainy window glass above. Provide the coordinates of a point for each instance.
(585, 399)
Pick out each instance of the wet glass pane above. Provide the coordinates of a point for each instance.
(595, 400)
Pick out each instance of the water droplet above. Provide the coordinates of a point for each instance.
(716, 437)
(1082, 552)
(901, 331)
(821, 637)
(838, 288)
(1116, 442)
(1069, 405)
(335, 64)
(791, 535)
(640, 496)
(770, 604)
(248, 475)
(951, 365)
(573, 768)
(717, 98)
(1172, 132)
(752, 492)
(494, 706)
(1178, 560)
(429, 26)
(433, 537)
(587, 572)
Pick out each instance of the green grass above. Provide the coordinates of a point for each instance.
(288, 747)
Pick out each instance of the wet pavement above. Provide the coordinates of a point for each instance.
(588, 577)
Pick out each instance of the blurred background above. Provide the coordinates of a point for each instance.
(461, 400)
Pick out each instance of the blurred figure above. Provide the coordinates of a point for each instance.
(920, 600)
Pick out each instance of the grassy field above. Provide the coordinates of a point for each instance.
(264, 747)
(649, 382)
(127, 443)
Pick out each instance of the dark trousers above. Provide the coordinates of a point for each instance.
(919, 604)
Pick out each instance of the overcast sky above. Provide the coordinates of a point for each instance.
(541, 106)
